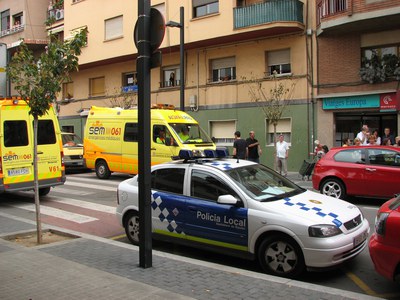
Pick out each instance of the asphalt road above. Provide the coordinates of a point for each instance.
(87, 204)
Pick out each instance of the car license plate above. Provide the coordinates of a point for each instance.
(16, 172)
(360, 238)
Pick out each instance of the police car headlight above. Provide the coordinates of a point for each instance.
(323, 230)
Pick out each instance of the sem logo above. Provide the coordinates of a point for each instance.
(11, 156)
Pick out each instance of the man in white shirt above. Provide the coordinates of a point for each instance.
(363, 135)
(282, 153)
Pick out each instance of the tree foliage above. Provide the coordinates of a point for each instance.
(39, 79)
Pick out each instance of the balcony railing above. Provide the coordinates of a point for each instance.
(327, 8)
(268, 12)
(14, 29)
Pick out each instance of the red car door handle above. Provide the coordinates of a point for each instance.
(370, 169)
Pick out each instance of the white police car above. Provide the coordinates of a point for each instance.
(245, 209)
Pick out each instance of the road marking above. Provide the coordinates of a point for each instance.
(91, 186)
(85, 204)
(117, 237)
(361, 284)
(95, 180)
(68, 191)
(58, 213)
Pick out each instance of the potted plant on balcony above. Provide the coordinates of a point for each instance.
(377, 69)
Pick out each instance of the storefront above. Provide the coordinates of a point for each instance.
(378, 111)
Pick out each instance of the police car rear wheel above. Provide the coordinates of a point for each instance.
(132, 227)
(280, 255)
(102, 170)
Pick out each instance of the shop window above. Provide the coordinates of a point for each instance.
(222, 132)
(284, 127)
(204, 7)
(96, 87)
(68, 90)
(171, 77)
(278, 62)
(113, 28)
(223, 69)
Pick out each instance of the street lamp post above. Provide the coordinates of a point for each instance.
(180, 25)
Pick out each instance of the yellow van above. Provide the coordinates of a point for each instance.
(16, 148)
(111, 138)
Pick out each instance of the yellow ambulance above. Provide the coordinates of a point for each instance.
(111, 138)
(16, 148)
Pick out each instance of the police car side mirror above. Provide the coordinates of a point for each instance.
(227, 199)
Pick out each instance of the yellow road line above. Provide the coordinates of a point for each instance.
(361, 284)
(117, 237)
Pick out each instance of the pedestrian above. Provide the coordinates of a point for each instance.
(346, 142)
(317, 149)
(363, 135)
(378, 139)
(387, 135)
(240, 150)
(254, 148)
(282, 154)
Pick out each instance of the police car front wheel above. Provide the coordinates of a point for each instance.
(132, 227)
(280, 255)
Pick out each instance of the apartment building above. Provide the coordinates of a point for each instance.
(20, 20)
(357, 53)
(228, 44)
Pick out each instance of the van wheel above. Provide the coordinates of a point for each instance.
(132, 227)
(102, 170)
(44, 191)
(280, 255)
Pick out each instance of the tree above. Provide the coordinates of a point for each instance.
(38, 80)
(274, 102)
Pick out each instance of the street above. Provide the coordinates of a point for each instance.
(87, 204)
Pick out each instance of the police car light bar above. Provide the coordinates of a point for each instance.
(207, 153)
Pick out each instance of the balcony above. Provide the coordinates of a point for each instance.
(12, 30)
(343, 16)
(268, 12)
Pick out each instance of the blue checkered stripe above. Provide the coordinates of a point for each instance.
(166, 216)
(221, 165)
(318, 211)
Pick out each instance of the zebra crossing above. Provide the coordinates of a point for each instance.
(84, 203)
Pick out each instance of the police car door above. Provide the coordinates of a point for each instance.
(210, 222)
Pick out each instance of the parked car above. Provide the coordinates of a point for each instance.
(73, 151)
(245, 209)
(384, 244)
(369, 171)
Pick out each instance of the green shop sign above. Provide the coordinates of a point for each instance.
(366, 101)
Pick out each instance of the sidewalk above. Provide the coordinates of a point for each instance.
(90, 267)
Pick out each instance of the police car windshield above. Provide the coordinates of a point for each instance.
(190, 133)
(262, 184)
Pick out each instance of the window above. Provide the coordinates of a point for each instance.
(15, 133)
(129, 82)
(222, 132)
(204, 7)
(223, 69)
(68, 90)
(17, 20)
(171, 77)
(284, 127)
(46, 134)
(351, 156)
(278, 62)
(5, 20)
(96, 87)
(168, 180)
(131, 132)
(384, 157)
(113, 28)
(207, 186)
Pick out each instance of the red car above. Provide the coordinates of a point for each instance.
(384, 244)
(369, 171)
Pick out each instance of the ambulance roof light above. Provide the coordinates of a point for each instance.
(163, 106)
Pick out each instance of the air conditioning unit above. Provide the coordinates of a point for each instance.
(59, 14)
